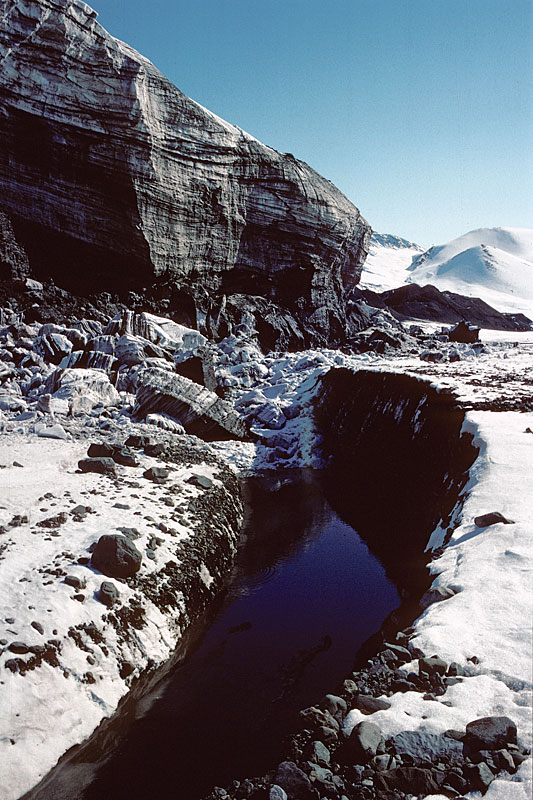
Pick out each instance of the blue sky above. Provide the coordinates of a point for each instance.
(420, 111)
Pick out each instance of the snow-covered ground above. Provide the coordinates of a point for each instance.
(489, 568)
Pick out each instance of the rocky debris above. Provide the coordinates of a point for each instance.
(493, 518)
(293, 780)
(116, 556)
(200, 411)
(369, 705)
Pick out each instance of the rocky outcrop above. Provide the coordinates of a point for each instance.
(114, 179)
(427, 302)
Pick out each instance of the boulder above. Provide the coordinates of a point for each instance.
(490, 733)
(432, 665)
(368, 705)
(492, 518)
(200, 411)
(90, 385)
(414, 780)
(435, 595)
(116, 556)
(363, 743)
(102, 465)
(293, 780)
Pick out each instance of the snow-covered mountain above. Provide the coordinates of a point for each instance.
(388, 260)
(495, 264)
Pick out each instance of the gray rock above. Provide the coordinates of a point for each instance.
(402, 654)
(368, 705)
(422, 745)
(76, 581)
(363, 742)
(116, 555)
(432, 665)
(493, 518)
(479, 776)
(293, 780)
(276, 793)
(436, 595)
(202, 481)
(336, 706)
(108, 594)
(490, 733)
(408, 779)
(104, 466)
(318, 753)
(327, 735)
(38, 627)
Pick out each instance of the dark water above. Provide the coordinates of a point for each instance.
(305, 595)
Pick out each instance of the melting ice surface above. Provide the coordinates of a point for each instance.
(305, 595)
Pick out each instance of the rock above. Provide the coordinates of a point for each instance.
(490, 733)
(53, 522)
(123, 456)
(435, 595)
(202, 481)
(101, 450)
(52, 432)
(116, 556)
(138, 441)
(200, 411)
(38, 627)
(318, 753)
(126, 669)
(154, 450)
(104, 466)
(210, 214)
(53, 347)
(327, 735)
(314, 717)
(408, 779)
(14, 264)
(493, 518)
(479, 776)
(276, 793)
(424, 746)
(368, 705)
(336, 706)
(363, 742)
(293, 780)
(76, 581)
(108, 594)
(19, 648)
(156, 474)
(432, 665)
(402, 654)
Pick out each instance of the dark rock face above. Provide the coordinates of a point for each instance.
(116, 556)
(490, 733)
(429, 303)
(115, 180)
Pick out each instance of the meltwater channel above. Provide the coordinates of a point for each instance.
(305, 594)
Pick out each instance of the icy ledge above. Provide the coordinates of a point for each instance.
(489, 616)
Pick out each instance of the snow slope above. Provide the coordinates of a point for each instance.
(387, 262)
(495, 264)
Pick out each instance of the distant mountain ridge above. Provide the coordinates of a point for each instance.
(495, 264)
